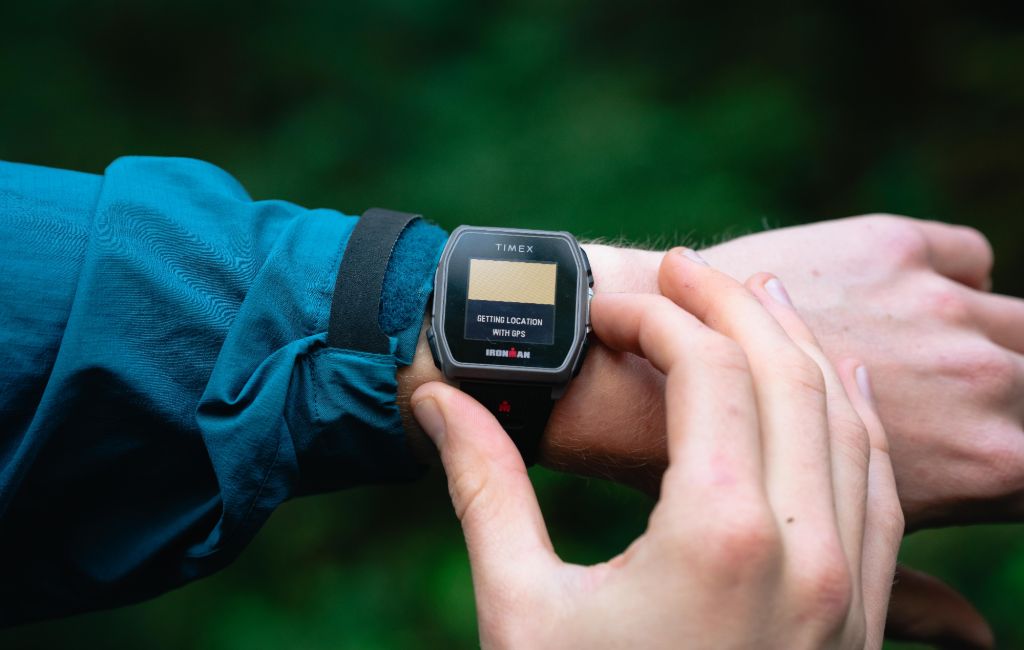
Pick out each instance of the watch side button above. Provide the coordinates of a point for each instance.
(586, 264)
(432, 344)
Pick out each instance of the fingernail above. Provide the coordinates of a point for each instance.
(864, 384)
(428, 414)
(693, 256)
(778, 292)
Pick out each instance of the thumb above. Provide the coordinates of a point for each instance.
(488, 483)
(924, 609)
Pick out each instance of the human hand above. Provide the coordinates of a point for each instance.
(910, 299)
(778, 520)
(906, 296)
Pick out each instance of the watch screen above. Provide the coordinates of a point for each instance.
(511, 301)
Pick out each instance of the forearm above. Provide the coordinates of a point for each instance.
(411, 377)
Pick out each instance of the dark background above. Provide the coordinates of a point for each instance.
(641, 120)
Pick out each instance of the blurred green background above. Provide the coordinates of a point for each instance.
(646, 121)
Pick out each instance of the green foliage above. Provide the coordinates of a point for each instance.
(648, 121)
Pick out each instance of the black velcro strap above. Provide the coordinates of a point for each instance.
(355, 308)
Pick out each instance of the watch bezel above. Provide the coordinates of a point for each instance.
(454, 369)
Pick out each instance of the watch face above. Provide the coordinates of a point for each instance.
(511, 299)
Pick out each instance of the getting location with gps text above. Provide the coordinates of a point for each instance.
(511, 301)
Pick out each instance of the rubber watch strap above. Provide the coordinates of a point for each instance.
(521, 409)
(355, 307)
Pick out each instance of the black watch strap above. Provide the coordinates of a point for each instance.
(522, 409)
(355, 308)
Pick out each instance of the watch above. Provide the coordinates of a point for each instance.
(510, 322)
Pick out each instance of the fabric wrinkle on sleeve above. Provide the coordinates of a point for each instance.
(331, 412)
(191, 390)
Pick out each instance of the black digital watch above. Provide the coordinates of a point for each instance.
(511, 322)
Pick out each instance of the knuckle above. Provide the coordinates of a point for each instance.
(948, 303)
(800, 372)
(824, 586)
(899, 239)
(851, 437)
(987, 370)
(981, 243)
(721, 352)
(891, 520)
(1000, 459)
(746, 542)
(469, 494)
(659, 324)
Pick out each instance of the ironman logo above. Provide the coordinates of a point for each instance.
(508, 353)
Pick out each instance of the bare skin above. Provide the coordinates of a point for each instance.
(908, 297)
(760, 538)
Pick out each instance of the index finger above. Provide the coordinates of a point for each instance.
(960, 253)
(714, 444)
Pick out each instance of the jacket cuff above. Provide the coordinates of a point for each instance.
(356, 434)
(408, 284)
(284, 414)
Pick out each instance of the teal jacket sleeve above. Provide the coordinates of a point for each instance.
(165, 381)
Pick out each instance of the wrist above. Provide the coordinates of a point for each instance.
(627, 424)
(411, 377)
(622, 270)
(574, 432)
